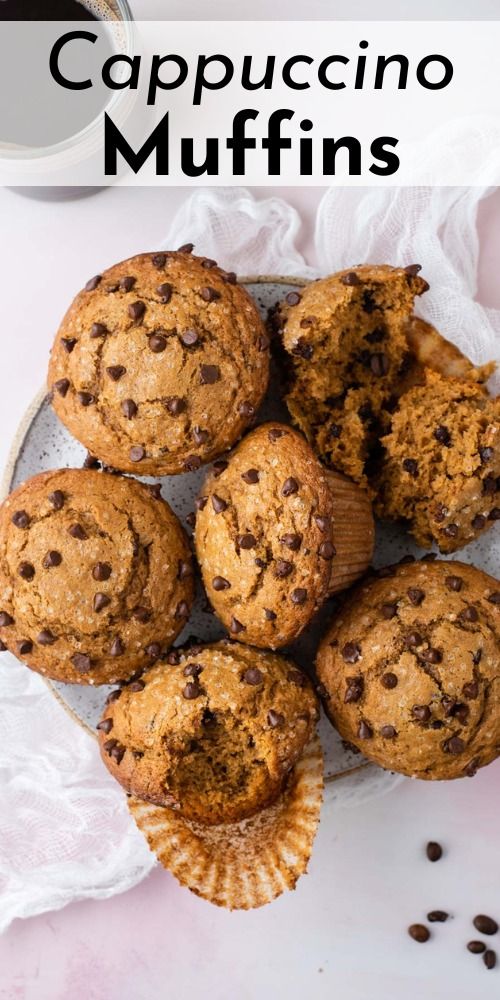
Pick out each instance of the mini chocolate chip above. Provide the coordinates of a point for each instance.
(486, 454)
(173, 658)
(293, 298)
(219, 505)
(471, 690)
(98, 330)
(449, 705)
(137, 453)
(302, 349)
(298, 596)
(61, 386)
(494, 598)
(275, 433)
(490, 958)
(413, 269)
(91, 462)
(275, 719)
(136, 310)
(200, 436)
(389, 610)
(93, 283)
(413, 639)
(247, 541)
(86, 398)
(157, 343)
(351, 652)
(292, 541)
(461, 712)
(193, 669)
(389, 681)
(230, 277)
(24, 647)
(20, 519)
(442, 435)
(114, 696)
(354, 690)
(46, 638)
(52, 558)
(209, 374)
(365, 732)
(269, 615)
(327, 550)
(250, 477)
(220, 583)
(192, 690)
(263, 343)
(388, 732)
(437, 916)
(476, 947)
(421, 712)
(261, 563)
(485, 925)
(253, 676)
(454, 583)
(209, 294)
(469, 614)
(109, 745)
(105, 725)
(351, 278)
(182, 610)
(208, 263)
(297, 678)
(478, 522)
(117, 752)
(192, 463)
(184, 571)
(494, 514)
(219, 467)
(431, 655)
(127, 283)
(5, 619)
(236, 626)
(76, 531)
(101, 601)
(476, 658)
(141, 614)
(490, 485)
(246, 409)
(116, 372)
(154, 653)
(191, 519)
(454, 745)
(410, 465)
(323, 523)
(283, 568)
(165, 292)
(159, 259)
(117, 648)
(175, 405)
(200, 503)
(419, 932)
(26, 570)
(290, 486)
(129, 409)
(451, 531)
(189, 338)
(379, 364)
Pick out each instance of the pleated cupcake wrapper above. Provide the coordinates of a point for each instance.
(353, 531)
(243, 865)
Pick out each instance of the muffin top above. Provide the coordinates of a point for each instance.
(264, 537)
(410, 669)
(346, 339)
(95, 575)
(160, 363)
(441, 467)
(212, 733)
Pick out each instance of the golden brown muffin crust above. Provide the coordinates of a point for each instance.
(160, 363)
(95, 575)
(411, 669)
(264, 537)
(213, 732)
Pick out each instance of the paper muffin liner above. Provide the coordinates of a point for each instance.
(243, 865)
(353, 531)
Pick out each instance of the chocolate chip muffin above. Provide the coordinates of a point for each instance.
(160, 363)
(345, 337)
(441, 466)
(96, 578)
(264, 537)
(213, 733)
(409, 669)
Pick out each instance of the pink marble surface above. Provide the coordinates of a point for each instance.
(344, 928)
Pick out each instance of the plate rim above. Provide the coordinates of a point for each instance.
(15, 450)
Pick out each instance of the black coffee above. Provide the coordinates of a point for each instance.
(44, 10)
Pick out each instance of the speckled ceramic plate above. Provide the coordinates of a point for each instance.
(43, 443)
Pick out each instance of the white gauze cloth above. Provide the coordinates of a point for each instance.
(65, 832)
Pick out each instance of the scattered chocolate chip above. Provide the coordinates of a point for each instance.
(302, 349)
(454, 583)
(421, 713)
(86, 398)
(114, 696)
(269, 615)
(236, 626)
(101, 601)
(298, 596)
(494, 598)
(20, 519)
(93, 283)
(201, 502)
(323, 523)
(290, 486)
(275, 719)
(142, 614)
(261, 563)
(165, 292)
(182, 610)
(389, 681)
(246, 409)
(91, 462)
(154, 653)
(61, 386)
(451, 531)
(175, 405)
(388, 732)
(191, 519)
(365, 732)
(485, 925)
(442, 435)
(116, 372)
(129, 410)
(24, 647)
(292, 541)
(105, 725)
(209, 294)
(351, 652)
(136, 310)
(193, 669)
(230, 277)
(431, 655)
(192, 690)
(454, 745)
(209, 374)
(109, 745)
(173, 658)
(413, 269)
(127, 283)
(476, 658)
(157, 343)
(419, 932)
(490, 958)
(354, 690)
(490, 485)
(413, 639)
(137, 453)
(253, 676)
(351, 278)
(46, 638)
(275, 433)
(184, 571)
(293, 298)
(159, 259)
(250, 477)
(69, 344)
(26, 570)
(219, 467)
(379, 364)
(368, 303)
(208, 263)
(246, 541)
(117, 648)
(76, 531)
(98, 330)
(117, 752)
(189, 338)
(192, 463)
(410, 465)
(478, 522)
(494, 514)
(297, 678)
(52, 558)
(486, 454)
(470, 690)
(469, 614)
(327, 551)
(219, 505)
(283, 568)
(220, 583)
(5, 619)
(389, 610)
(200, 436)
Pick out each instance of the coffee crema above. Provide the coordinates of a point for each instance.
(56, 10)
